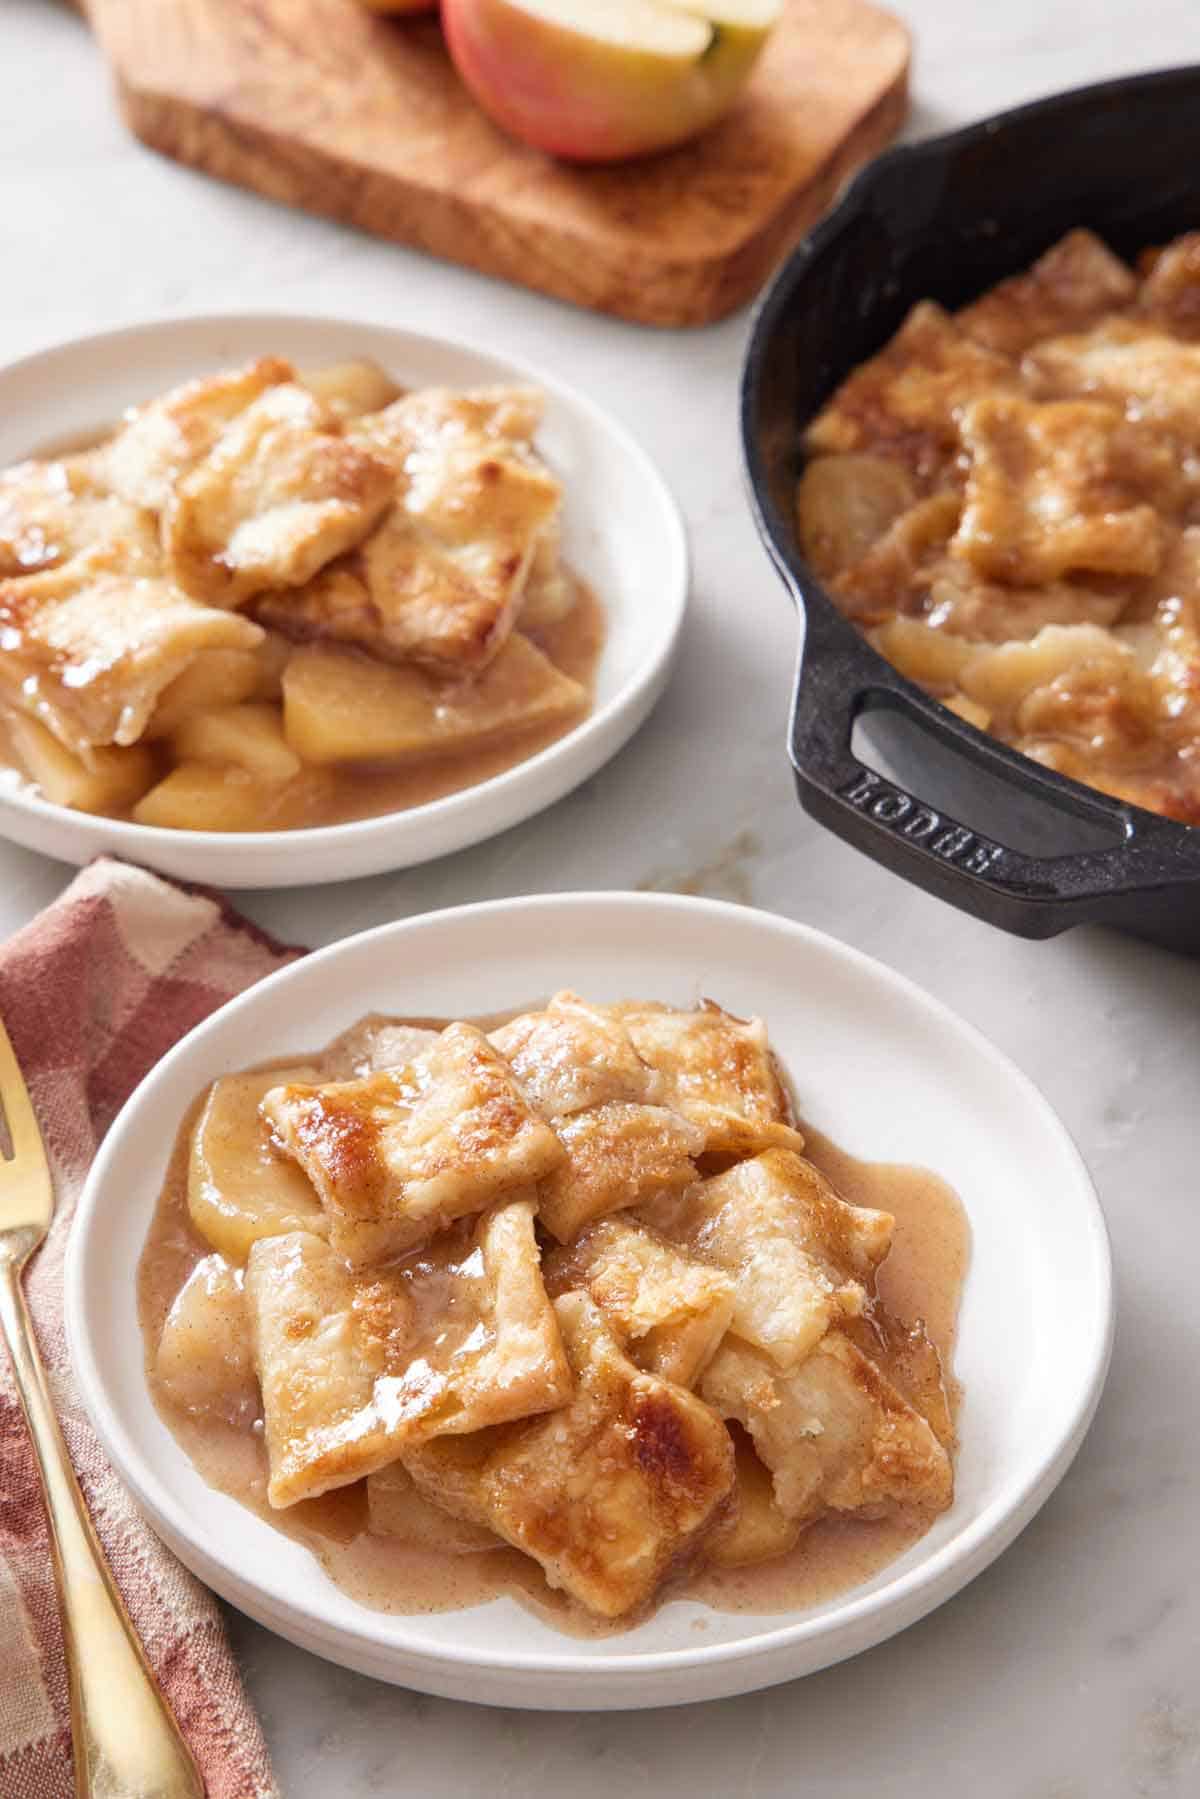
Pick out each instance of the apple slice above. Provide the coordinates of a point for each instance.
(599, 80)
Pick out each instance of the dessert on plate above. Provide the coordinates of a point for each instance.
(560, 1300)
(272, 599)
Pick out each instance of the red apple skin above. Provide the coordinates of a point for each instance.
(529, 76)
(400, 8)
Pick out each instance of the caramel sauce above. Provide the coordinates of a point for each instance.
(921, 1279)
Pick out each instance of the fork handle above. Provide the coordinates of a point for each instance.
(127, 1744)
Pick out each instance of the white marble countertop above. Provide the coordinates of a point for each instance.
(1071, 1669)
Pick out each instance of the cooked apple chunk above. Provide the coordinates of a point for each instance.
(845, 504)
(354, 1367)
(400, 1154)
(163, 439)
(248, 735)
(610, 1493)
(278, 496)
(89, 651)
(835, 1433)
(202, 796)
(668, 1310)
(214, 678)
(240, 1185)
(111, 780)
(758, 1529)
(717, 1070)
(550, 590)
(340, 706)
(800, 1257)
(617, 1155)
(573, 1056)
(397, 1508)
(376, 1042)
(349, 389)
(221, 678)
(205, 1359)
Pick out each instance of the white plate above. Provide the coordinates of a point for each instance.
(887, 1072)
(622, 533)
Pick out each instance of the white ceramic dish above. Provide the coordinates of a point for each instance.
(888, 1072)
(623, 534)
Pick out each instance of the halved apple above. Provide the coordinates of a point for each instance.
(600, 80)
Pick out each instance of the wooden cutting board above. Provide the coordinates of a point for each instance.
(322, 105)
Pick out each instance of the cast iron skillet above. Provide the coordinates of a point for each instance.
(945, 219)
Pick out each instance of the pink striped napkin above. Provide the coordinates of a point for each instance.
(93, 993)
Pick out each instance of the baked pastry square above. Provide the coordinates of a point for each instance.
(441, 579)
(398, 1155)
(610, 1493)
(53, 511)
(668, 1310)
(88, 650)
(617, 1155)
(1171, 289)
(352, 1367)
(277, 497)
(1075, 284)
(162, 440)
(717, 1071)
(801, 1259)
(1059, 487)
(905, 402)
(835, 1433)
(1129, 363)
(445, 415)
(572, 1056)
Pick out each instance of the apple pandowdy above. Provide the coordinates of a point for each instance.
(567, 1284)
(1006, 501)
(273, 599)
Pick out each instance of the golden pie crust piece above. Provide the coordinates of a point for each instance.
(89, 649)
(717, 1071)
(354, 1366)
(834, 1431)
(278, 496)
(162, 440)
(609, 1494)
(400, 1154)
(800, 1258)
(668, 1310)
(441, 579)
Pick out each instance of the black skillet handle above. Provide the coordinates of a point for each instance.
(840, 677)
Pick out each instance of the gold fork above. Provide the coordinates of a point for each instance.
(127, 1744)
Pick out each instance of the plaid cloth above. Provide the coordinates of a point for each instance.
(93, 992)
